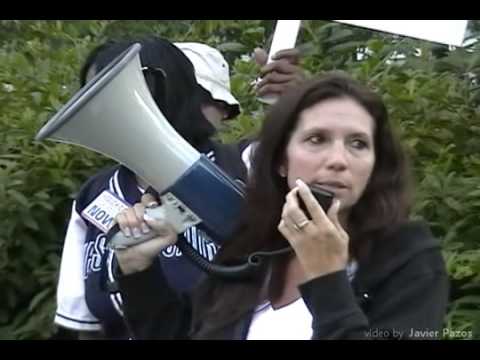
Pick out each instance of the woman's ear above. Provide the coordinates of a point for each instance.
(282, 170)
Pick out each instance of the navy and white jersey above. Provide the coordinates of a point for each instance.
(85, 301)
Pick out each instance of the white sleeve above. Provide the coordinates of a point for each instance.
(247, 155)
(72, 311)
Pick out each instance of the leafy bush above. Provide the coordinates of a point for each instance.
(431, 95)
(37, 181)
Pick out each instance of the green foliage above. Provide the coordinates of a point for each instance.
(37, 181)
(432, 96)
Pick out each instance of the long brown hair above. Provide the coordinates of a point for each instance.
(384, 203)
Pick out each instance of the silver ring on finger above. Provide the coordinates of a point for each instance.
(303, 224)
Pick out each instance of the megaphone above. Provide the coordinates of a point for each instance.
(115, 115)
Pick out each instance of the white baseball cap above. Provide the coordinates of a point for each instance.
(211, 72)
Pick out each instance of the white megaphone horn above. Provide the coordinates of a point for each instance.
(115, 115)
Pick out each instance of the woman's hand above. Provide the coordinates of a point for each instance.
(134, 222)
(321, 244)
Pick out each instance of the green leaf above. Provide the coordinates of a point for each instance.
(454, 204)
(19, 197)
(340, 35)
(41, 296)
(347, 46)
(30, 223)
(231, 46)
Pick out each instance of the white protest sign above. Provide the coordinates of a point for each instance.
(450, 32)
(284, 37)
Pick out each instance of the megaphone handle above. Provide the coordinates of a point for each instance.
(116, 239)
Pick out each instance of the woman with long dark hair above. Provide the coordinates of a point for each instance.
(360, 269)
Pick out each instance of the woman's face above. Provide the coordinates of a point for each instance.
(332, 146)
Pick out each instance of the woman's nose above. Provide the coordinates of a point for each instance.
(337, 158)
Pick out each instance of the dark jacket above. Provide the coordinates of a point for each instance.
(399, 291)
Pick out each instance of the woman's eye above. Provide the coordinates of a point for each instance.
(316, 139)
(359, 144)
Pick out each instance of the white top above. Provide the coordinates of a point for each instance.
(290, 322)
(72, 310)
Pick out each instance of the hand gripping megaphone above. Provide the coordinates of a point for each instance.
(115, 115)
